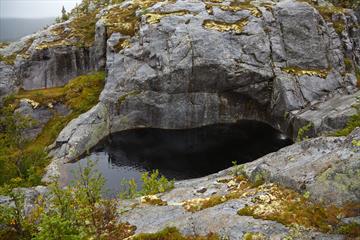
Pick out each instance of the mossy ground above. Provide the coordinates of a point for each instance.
(273, 202)
(288, 207)
(10, 59)
(171, 233)
(237, 187)
(353, 123)
(23, 165)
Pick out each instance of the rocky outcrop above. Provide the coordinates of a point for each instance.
(198, 63)
(50, 58)
(325, 168)
(8, 80)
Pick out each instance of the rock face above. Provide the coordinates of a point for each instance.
(327, 168)
(8, 80)
(47, 59)
(196, 63)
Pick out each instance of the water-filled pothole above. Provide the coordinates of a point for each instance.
(179, 154)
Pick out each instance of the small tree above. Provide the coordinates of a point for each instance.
(64, 15)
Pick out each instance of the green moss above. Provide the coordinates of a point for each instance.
(83, 28)
(357, 74)
(339, 26)
(123, 97)
(351, 229)
(353, 123)
(254, 236)
(348, 64)
(289, 207)
(23, 164)
(9, 60)
(172, 233)
(303, 130)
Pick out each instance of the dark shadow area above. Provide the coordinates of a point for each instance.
(179, 154)
(197, 152)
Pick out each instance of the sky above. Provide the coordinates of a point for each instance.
(34, 8)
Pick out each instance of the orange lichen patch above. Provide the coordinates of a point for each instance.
(155, 17)
(153, 200)
(237, 188)
(311, 72)
(289, 207)
(225, 26)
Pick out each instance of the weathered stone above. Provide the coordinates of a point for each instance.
(327, 167)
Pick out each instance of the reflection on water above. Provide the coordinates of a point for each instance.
(179, 154)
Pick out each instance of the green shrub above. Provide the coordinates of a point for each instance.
(153, 183)
(75, 212)
(23, 162)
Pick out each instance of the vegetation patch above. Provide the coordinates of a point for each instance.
(236, 27)
(75, 212)
(172, 233)
(153, 200)
(10, 59)
(125, 20)
(234, 6)
(353, 123)
(310, 72)
(290, 208)
(123, 43)
(238, 187)
(22, 162)
(254, 236)
(155, 17)
(153, 183)
(301, 135)
(357, 74)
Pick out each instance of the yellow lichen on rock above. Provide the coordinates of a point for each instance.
(234, 6)
(155, 17)
(237, 187)
(310, 72)
(289, 207)
(123, 43)
(33, 103)
(254, 236)
(225, 26)
(153, 200)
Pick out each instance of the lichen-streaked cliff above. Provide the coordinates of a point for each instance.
(180, 64)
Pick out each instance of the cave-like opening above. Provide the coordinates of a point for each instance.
(182, 154)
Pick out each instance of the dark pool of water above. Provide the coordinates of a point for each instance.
(179, 154)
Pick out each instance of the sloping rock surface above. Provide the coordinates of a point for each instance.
(195, 63)
(327, 168)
